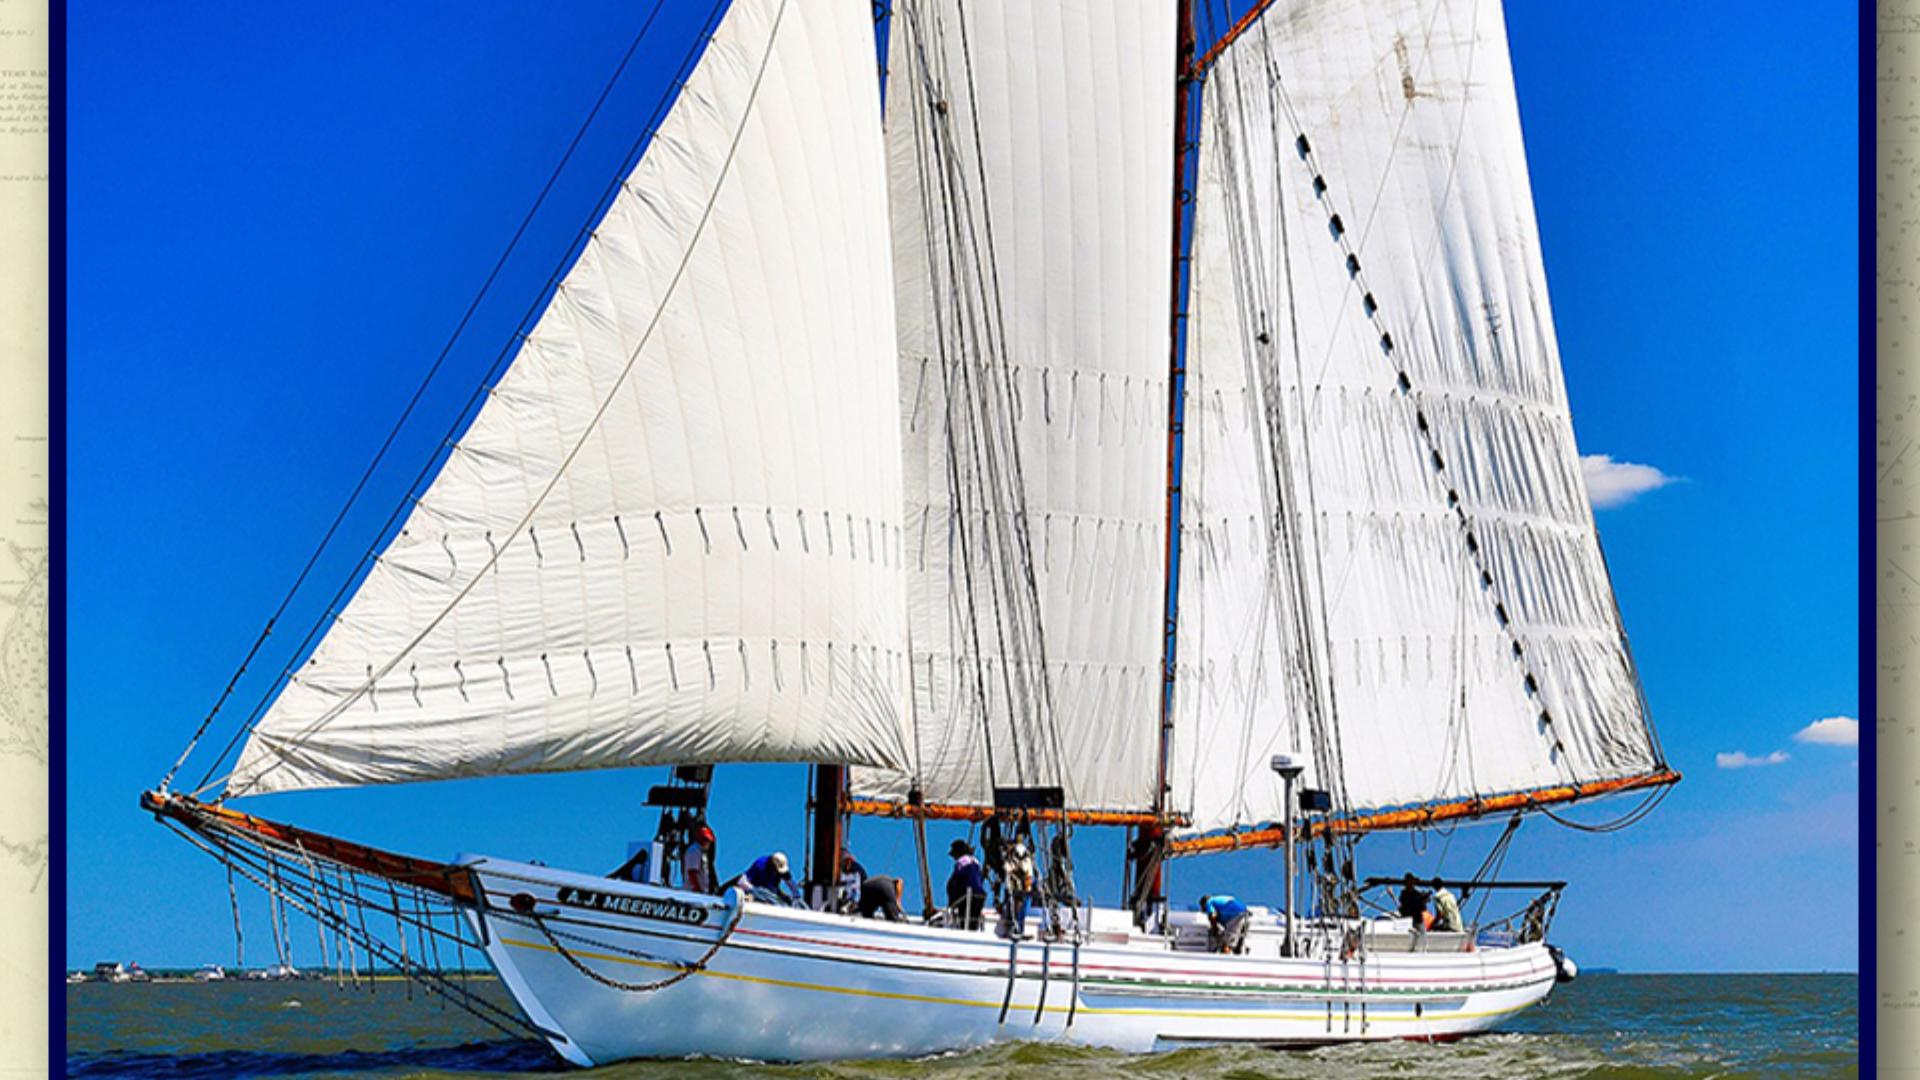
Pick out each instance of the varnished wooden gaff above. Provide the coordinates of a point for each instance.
(1419, 817)
(949, 812)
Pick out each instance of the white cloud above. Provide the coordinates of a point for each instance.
(1740, 759)
(1833, 731)
(1613, 483)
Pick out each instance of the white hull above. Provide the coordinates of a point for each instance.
(789, 984)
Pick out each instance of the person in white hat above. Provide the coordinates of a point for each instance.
(770, 880)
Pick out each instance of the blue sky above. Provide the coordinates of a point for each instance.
(277, 219)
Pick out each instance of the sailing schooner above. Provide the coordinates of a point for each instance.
(861, 433)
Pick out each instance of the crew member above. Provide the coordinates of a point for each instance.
(769, 880)
(852, 877)
(1019, 882)
(966, 886)
(1446, 909)
(1413, 902)
(696, 856)
(881, 895)
(1227, 920)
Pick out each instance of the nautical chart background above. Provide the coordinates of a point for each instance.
(23, 537)
(1897, 510)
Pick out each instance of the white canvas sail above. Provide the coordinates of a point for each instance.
(1030, 147)
(672, 533)
(1331, 599)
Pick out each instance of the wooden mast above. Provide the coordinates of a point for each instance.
(1145, 852)
(825, 805)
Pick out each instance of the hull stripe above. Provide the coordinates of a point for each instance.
(1090, 966)
(1519, 973)
(1320, 987)
(1220, 1014)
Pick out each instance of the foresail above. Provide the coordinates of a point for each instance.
(1388, 561)
(673, 532)
(1030, 146)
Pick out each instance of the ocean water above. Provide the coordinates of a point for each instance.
(1617, 1027)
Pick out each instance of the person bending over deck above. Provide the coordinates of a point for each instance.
(880, 895)
(1413, 902)
(966, 887)
(768, 879)
(1227, 920)
(1446, 909)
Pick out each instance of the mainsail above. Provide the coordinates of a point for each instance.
(1028, 144)
(673, 531)
(1388, 562)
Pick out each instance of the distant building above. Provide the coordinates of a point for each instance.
(278, 972)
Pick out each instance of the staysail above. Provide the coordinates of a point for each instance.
(673, 532)
(1388, 561)
(1028, 144)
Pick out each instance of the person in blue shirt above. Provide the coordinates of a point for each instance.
(852, 877)
(966, 886)
(768, 879)
(1227, 920)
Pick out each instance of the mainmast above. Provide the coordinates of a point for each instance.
(827, 828)
(1148, 850)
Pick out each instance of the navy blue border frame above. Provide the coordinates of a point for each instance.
(1868, 568)
(57, 535)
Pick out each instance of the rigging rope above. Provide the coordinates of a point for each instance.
(280, 870)
(1653, 798)
(1252, 279)
(419, 393)
(593, 422)
(1294, 567)
(995, 614)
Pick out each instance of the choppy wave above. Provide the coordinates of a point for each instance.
(1610, 1027)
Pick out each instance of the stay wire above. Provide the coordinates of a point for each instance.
(995, 582)
(1018, 560)
(952, 204)
(538, 305)
(419, 393)
(592, 423)
(1287, 515)
(987, 408)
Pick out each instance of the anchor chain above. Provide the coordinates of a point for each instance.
(686, 969)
